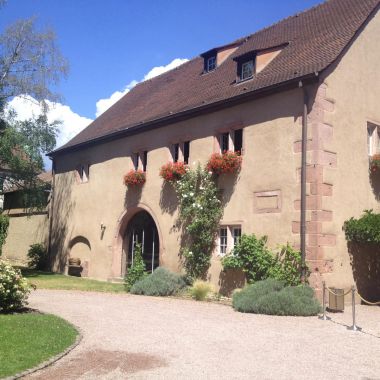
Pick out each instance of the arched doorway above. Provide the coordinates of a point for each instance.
(141, 229)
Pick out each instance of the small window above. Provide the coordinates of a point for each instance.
(236, 234)
(186, 152)
(373, 139)
(246, 70)
(175, 152)
(223, 241)
(145, 160)
(238, 140)
(83, 173)
(136, 159)
(224, 142)
(211, 64)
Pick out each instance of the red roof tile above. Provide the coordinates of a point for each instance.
(314, 39)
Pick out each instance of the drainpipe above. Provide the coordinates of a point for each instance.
(51, 211)
(303, 183)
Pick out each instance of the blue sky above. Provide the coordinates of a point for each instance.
(111, 43)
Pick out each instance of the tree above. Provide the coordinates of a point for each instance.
(30, 65)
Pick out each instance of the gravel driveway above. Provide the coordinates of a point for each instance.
(126, 336)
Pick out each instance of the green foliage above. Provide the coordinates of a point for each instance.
(137, 270)
(38, 257)
(258, 262)
(200, 290)
(287, 266)
(365, 229)
(200, 212)
(273, 298)
(160, 283)
(4, 224)
(14, 289)
(252, 256)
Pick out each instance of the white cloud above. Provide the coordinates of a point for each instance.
(71, 122)
(103, 104)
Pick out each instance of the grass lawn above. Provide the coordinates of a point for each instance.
(28, 339)
(48, 280)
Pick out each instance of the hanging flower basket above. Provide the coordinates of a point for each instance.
(374, 163)
(134, 178)
(173, 171)
(223, 163)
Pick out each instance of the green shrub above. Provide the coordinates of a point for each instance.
(14, 289)
(365, 229)
(4, 224)
(38, 257)
(251, 256)
(244, 299)
(160, 283)
(272, 298)
(200, 290)
(136, 271)
(287, 266)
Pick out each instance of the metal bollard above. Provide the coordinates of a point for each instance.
(353, 327)
(324, 317)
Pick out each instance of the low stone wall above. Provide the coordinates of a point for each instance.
(23, 231)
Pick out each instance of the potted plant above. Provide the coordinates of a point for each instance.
(374, 163)
(134, 178)
(223, 163)
(173, 171)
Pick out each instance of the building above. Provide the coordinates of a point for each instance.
(311, 80)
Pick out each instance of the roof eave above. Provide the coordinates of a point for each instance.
(179, 116)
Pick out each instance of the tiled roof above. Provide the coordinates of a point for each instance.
(314, 39)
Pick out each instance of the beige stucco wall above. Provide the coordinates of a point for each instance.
(353, 87)
(271, 125)
(23, 231)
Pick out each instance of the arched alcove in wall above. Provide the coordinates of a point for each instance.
(80, 247)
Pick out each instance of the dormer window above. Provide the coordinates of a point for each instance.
(211, 63)
(246, 70)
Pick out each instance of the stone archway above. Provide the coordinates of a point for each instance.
(129, 230)
(141, 229)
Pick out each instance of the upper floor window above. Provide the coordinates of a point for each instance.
(83, 173)
(246, 70)
(211, 63)
(181, 152)
(373, 139)
(232, 140)
(140, 160)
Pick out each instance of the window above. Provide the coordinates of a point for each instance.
(181, 152)
(186, 152)
(145, 160)
(373, 139)
(223, 241)
(229, 237)
(246, 70)
(83, 173)
(211, 64)
(175, 152)
(232, 140)
(136, 159)
(224, 141)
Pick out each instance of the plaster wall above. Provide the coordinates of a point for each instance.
(23, 231)
(270, 127)
(351, 93)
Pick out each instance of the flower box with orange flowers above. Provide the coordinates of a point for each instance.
(173, 171)
(223, 163)
(374, 163)
(134, 178)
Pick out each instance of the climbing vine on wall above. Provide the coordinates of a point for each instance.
(200, 212)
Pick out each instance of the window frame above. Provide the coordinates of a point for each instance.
(229, 237)
(180, 151)
(230, 134)
(373, 139)
(82, 173)
(211, 67)
(244, 64)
